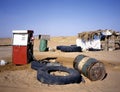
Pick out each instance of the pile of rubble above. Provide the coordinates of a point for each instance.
(110, 40)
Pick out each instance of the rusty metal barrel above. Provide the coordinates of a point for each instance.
(89, 67)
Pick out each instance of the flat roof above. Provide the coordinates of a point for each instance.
(22, 31)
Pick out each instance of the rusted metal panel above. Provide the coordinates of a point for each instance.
(44, 37)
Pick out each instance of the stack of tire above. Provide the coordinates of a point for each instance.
(45, 67)
(72, 48)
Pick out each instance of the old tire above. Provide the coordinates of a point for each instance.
(38, 64)
(70, 48)
(59, 47)
(44, 76)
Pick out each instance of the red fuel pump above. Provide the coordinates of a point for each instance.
(22, 46)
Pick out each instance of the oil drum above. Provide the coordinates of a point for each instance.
(89, 67)
(43, 45)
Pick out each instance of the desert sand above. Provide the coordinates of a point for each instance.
(23, 79)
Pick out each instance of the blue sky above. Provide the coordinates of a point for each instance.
(58, 17)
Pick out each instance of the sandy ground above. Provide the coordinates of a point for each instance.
(23, 79)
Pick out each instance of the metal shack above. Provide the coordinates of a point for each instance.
(22, 46)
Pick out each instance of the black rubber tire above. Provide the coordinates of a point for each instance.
(59, 47)
(44, 76)
(71, 49)
(38, 64)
